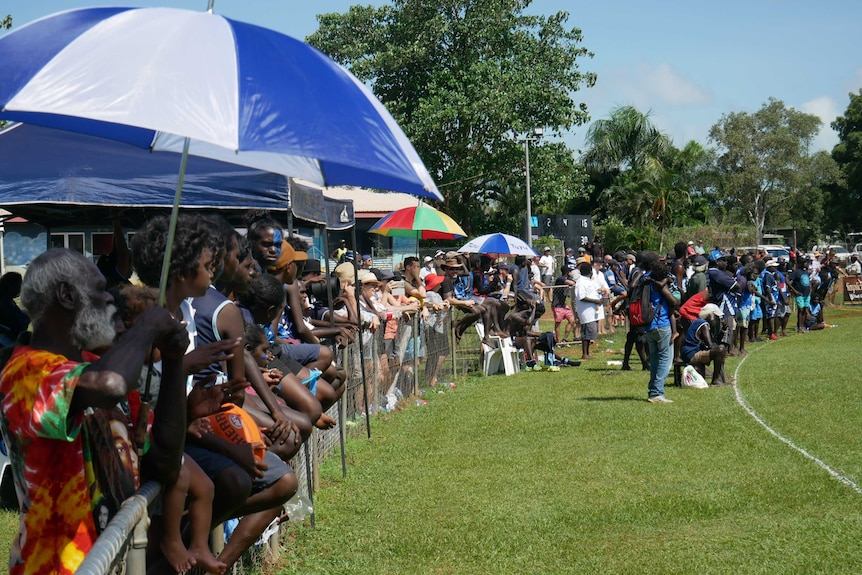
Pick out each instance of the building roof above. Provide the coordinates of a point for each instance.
(370, 204)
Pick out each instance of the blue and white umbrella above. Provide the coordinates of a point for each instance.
(501, 244)
(161, 77)
(204, 85)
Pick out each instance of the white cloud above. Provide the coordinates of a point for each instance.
(667, 86)
(824, 108)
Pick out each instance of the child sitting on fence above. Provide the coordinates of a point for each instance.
(298, 385)
(190, 274)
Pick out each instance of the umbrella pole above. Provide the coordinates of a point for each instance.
(172, 228)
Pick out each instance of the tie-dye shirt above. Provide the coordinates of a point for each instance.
(56, 529)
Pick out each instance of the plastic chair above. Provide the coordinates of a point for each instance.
(501, 355)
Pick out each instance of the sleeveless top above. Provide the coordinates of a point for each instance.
(207, 309)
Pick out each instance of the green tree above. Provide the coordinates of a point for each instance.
(648, 182)
(463, 78)
(764, 162)
(626, 140)
(845, 197)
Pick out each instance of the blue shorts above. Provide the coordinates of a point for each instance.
(803, 301)
(756, 313)
(213, 464)
(769, 310)
(742, 317)
(304, 353)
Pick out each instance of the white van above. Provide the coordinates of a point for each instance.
(775, 251)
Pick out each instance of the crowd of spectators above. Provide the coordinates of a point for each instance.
(214, 385)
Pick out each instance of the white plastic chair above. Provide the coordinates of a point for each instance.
(501, 355)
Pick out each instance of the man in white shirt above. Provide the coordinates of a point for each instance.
(588, 302)
(547, 267)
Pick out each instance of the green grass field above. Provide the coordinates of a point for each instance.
(574, 472)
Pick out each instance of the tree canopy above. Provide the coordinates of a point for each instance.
(465, 78)
(845, 198)
(764, 162)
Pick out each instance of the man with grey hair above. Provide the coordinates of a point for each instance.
(60, 401)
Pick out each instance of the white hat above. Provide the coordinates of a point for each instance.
(710, 310)
(691, 243)
(428, 259)
(771, 263)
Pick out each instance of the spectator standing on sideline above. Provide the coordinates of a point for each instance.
(547, 266)
(596, 249)
(562, 312)
(571, 258)
(698, 249)
(854, 268)
(588, 300)
(799, 284)
(697, 282)
(658, 333)
(338, 253)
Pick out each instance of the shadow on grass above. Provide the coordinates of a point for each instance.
(620, 398)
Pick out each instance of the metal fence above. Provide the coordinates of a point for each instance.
(383, 372)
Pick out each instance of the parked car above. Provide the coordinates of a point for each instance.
(842, 256)
(775, 251)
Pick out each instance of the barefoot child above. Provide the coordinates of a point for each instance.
(190, 274)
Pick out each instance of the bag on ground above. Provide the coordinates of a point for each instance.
(691, 378)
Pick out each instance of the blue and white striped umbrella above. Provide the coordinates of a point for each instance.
(161, 77)
(502, 244)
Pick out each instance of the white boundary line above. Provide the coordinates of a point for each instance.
(741, 401)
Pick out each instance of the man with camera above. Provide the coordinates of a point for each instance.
(702, 344)
(321, 292)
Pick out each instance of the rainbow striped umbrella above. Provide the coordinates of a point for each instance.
(421, 222)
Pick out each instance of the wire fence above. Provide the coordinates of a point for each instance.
(394, 365)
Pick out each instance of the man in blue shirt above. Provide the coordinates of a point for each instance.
(658, 332)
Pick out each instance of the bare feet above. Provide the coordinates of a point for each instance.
(207, 561)
(586, 357)
(324, 422)
(177, 555)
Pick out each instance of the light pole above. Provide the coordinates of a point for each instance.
(534, 136)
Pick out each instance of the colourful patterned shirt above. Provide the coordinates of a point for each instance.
(56, 529)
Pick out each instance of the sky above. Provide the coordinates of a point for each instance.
(685, 62)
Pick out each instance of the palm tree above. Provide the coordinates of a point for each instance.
(627, 140)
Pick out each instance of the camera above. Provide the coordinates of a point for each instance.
(323, 291)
